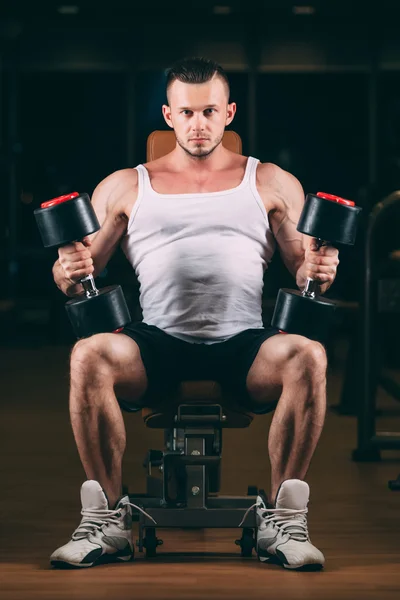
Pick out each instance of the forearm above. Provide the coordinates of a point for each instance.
(301, 279)
(64, 284)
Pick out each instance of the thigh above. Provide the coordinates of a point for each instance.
(274, 357)
(265, 374)
(273, 364)
(256, 360)
(112, 356)
(161, 357)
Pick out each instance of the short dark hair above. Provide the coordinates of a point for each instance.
(195, 70)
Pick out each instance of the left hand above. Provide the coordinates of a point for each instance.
(321, 265)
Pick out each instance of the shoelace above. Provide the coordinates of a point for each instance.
(96, 518)
(290, 521)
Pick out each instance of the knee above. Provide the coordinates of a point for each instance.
(88, 355)
(309, 357)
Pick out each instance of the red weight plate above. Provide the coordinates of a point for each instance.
(336, 199)
(59, 200)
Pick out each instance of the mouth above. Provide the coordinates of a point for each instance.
(198, 140)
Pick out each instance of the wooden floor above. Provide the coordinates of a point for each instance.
(353, 517)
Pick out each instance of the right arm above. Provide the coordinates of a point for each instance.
(112, 201)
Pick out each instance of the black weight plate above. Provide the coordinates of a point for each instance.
(105, 312)
(66, 222)
(310, 317)
(329, 221)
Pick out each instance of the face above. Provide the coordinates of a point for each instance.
(199, 113)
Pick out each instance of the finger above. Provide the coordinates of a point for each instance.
(322, 268)
(86, 241)
(71, 258)
(315, 244)
(326, 261)
(328, 251)
(82, 264)
(323, 278)
(71, 248)
(75, 266)
(81, 255)
(76, 276)
(318, 270)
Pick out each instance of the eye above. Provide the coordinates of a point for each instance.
(209, 110)
(187, 112)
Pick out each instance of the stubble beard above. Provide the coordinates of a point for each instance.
(199, 153)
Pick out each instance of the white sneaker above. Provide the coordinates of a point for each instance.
(282, 534)
(103, 535)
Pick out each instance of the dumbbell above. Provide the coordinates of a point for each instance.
(333, 222)
(67, 219)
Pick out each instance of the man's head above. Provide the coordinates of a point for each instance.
(198, 106)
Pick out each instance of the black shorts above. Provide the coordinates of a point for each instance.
(169, 360)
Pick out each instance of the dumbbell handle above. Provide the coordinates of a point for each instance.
(310, 289)
(311, 286)
(89, 286)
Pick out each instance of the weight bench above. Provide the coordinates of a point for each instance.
(193, 419)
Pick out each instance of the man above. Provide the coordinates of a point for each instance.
(199, 227)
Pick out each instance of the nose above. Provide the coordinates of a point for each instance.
(198, 123)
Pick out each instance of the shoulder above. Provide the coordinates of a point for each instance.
(116, 191)
(269, 174)
(282, 187)
(119, 180)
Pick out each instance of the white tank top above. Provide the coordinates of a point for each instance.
(200, 258)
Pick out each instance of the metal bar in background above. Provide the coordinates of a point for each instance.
(368, 442)
(366, 421)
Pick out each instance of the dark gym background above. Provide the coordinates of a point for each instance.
(317, 86)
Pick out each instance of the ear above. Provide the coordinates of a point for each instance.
(166, 111)
(230, 113)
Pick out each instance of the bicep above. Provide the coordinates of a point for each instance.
(106, 241)
(106, 204)
(291, 243)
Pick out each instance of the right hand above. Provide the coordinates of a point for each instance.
(76, 260)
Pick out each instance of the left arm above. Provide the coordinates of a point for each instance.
(297, 250)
